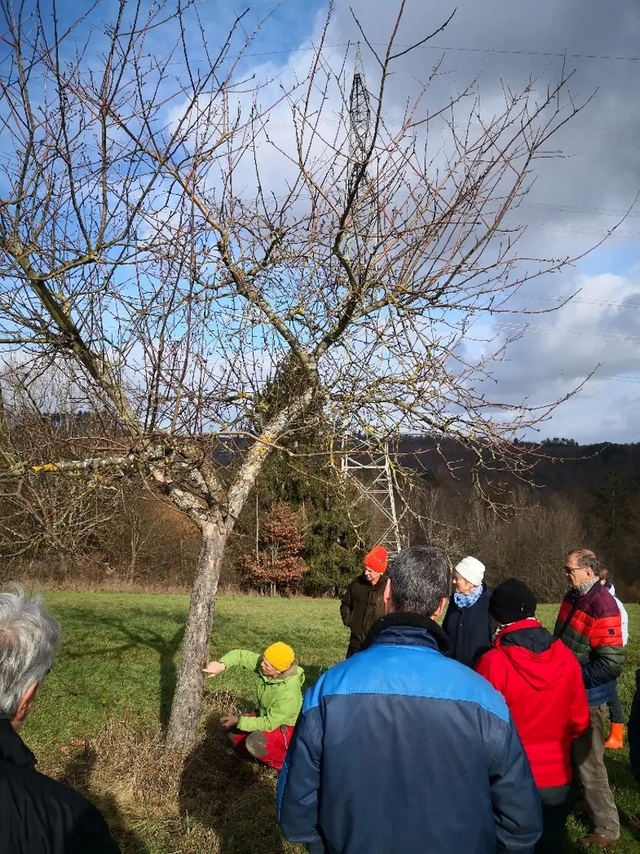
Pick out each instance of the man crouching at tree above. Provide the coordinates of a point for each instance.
(265, 734)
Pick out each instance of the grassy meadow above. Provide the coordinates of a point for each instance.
(98, 719)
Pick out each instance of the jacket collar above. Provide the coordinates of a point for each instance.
(13, 749)
(529, 634)
(527, 623)
(407, 630)
(582, 597)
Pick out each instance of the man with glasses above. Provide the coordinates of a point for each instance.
(589, 624)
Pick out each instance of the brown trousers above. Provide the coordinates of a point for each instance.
(588, 762)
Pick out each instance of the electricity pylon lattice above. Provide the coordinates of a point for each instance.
(370, 471)
(359, 122)
(360, 191)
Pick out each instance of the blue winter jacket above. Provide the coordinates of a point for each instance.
(400, 750)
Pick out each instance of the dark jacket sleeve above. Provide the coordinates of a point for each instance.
(446, 623)
(91, 834)
(299, 782)
(485, 640)
(346, 607)
(634, 731)
(515, 798)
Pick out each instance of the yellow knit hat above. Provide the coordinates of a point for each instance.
(280, 656)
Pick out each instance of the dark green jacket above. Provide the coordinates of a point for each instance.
(362, 604)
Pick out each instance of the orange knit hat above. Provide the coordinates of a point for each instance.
(376, 560)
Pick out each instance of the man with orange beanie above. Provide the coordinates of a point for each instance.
(266, 733)
(363, 602)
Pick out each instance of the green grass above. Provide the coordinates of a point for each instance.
(117, 669)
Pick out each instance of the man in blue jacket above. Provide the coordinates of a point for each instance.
(400, 750)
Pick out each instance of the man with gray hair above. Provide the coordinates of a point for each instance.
(37, 814)
(589, 623)
(402, 749)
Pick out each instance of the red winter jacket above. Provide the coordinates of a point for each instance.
(542, 683)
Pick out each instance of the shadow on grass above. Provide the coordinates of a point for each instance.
(619, 770)
(77, 774)
(165, 647)
(311, 675)
(621, 776)
(232, 796)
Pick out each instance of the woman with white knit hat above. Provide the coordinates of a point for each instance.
(467, 621)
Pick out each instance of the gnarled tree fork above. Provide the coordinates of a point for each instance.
(178, 229)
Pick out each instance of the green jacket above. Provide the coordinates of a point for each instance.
(279, 700)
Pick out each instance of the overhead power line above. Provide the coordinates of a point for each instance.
(524, 328)
(461, 49)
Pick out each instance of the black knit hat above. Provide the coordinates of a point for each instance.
(512, 601)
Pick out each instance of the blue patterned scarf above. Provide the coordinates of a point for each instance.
(466, 600)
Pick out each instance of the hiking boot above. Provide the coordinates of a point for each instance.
(616, 737)
(596, 840)
(256, 745)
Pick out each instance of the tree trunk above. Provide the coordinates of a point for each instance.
(216, 527)
(187, 700)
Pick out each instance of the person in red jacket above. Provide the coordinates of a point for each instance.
(542, 683)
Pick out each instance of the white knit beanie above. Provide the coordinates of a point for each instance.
(471, 569)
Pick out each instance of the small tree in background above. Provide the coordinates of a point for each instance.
(278, 563)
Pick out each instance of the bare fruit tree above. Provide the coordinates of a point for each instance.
(179, 228)
(53, 519)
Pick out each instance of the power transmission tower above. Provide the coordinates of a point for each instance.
(361, 190)
(369, 470)
(359, 123)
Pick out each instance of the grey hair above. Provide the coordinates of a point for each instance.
(419, 580)
(586, 559)
(29, 640)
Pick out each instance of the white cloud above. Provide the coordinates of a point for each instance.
(576, 199)
(598, 332)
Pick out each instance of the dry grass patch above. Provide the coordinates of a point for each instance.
(213, 801)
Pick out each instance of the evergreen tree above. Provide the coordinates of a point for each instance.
(613, 515)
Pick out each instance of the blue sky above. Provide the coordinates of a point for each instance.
(574, 201)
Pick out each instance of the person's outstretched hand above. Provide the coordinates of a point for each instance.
(214, 668)
(228, 721)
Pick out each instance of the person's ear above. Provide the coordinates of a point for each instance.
(24, 706)
(438, 612)
(387, 597)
